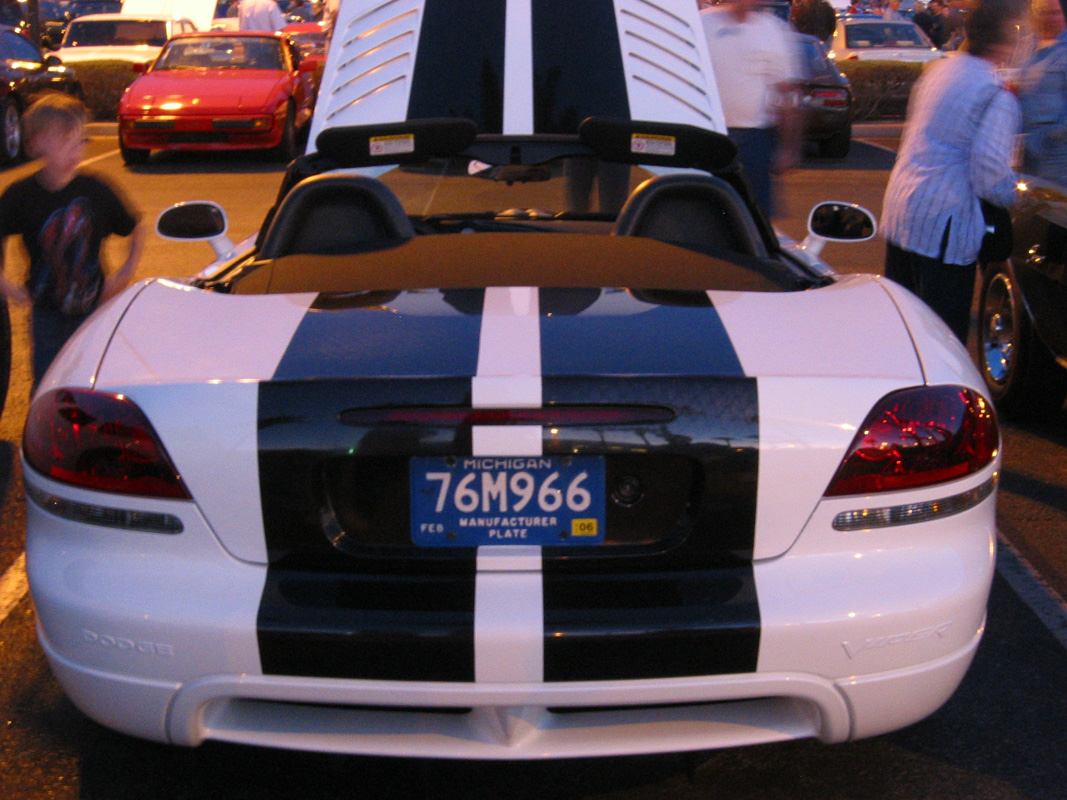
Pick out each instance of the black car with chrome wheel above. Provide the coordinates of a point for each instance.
(25, 74)
(1022, 314)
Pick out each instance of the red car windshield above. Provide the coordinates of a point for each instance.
(218, 52)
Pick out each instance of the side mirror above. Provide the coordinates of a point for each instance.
(140, 67)
(199, 221)
(835, 221)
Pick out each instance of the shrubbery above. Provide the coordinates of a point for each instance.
(102, 85)
(880, 89)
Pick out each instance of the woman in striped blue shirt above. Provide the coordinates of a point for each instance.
(957, 147)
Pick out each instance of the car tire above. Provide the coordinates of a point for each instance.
(287, 148)
(838, 145)
(10, 131)
(1023, 378)
(5, 352)
(133, 155)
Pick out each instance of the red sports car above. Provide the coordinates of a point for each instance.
(224, 90)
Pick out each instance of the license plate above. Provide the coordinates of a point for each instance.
(471, 501)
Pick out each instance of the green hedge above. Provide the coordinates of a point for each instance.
(103, 83)
(880, 89)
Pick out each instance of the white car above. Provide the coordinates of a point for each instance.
(120, 37)
(870, 37)
(457, 459)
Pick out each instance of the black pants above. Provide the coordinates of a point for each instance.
(947, 288)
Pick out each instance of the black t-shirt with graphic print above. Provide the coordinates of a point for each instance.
(63, 232)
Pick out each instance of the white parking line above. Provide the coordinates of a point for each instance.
(1033, 590)
(13, 586)
(100, 157)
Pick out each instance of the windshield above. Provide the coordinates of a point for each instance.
(885, 34)
(572, 186)
(118, 33)
(221, 52)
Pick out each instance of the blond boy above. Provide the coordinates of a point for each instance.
(63, 217)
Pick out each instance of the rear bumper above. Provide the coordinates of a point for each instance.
(156, 636)
(515, 721)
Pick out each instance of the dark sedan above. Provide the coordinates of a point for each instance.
(827, 100)
(25, 74)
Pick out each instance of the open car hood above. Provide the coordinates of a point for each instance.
(652, 64)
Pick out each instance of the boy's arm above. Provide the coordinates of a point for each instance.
(121, 279)
(8, 290)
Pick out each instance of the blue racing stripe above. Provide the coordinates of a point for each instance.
(636, 338)
(416, 334)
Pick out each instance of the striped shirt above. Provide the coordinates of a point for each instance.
(957, 146)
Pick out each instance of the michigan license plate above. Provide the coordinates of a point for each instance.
(471, 501)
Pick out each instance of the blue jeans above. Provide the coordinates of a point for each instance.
(50, 331)
(755, 150)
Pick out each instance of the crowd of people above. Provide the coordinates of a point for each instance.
(958, 165)
(273, 15)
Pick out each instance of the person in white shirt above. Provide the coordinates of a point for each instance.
(957, 149)
(260, 15)
(758, 71)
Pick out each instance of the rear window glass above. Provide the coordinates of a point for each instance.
(881, 34)
(120, 33)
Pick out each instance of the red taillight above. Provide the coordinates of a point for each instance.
(919, 437)
(99, 441)
(829, 98)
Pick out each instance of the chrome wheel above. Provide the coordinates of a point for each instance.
(1022, 374)
(999, 331)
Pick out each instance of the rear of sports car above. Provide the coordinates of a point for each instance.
(470, 494)
(510, 523)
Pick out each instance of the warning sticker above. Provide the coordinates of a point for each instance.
(391, 145)
(652, 144)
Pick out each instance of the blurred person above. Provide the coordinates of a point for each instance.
(814, 17)
(330, 9)
(1043, 95)
(954, 13)
(956, 149)
(260, 15)
(301, 9)
(758, 72)
(932, 21)
(63, 217)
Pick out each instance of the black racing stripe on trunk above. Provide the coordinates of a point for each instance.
(396, 339)
(577, 64)
(340, 602)
(640, 338)
(617, 627)
(388, 627)
(467, 40)
(687, 608)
